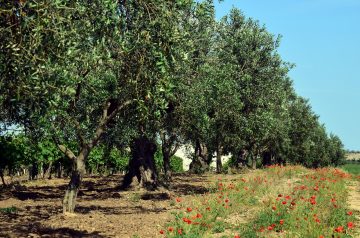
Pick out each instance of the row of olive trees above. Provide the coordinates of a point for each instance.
(130, 74)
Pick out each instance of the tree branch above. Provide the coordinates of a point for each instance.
(105, 119)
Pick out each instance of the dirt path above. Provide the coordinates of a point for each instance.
(354, 203)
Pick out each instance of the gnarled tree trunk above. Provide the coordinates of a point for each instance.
(75, 182)
(142, 164)
(241, 159)
(169, 146)
(167, 168)
(199, 163)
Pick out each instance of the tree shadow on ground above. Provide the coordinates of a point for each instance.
(36, 229)
(120, 210)
(188, 189)
(26, 222)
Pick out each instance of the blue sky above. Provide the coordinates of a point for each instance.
(322, 37)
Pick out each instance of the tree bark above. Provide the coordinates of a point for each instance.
(169, 146)
(219, 167)
(142, 164)
(167, 168)
(266, 158)
(2, 177)
(47, 173)
(241, 159)
(198, 165)
(253, 161)
(72, 190)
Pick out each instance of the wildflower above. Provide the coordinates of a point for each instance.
(189, 209)
(198, 215)
(284, 202)
(270, 228)
(208, 208)
(280, 195)
(287, 197)
(281, 222)
(321, 236)
(162, 232)
(178, 199)
(226, 200)
(274, 208)
(339, 229)
(349, 213)
(350, 225)
(236, 236)
(180, 232)
(187, 220)
(170, 229)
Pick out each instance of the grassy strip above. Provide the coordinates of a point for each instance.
(315, 208)
(352, 168)
(219, 213)
(277, 202)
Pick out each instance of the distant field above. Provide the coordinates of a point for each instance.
(352, 168)
(352, 156)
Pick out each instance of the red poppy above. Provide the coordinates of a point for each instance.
(189, 209)
(236, 236)
(274, 208)
(180, 232)
(339, 229)
(170, 229)
(349, 213)
(281, 222)
(350, 225)
(270, 228)
(178, 199)
(162, 232)
(284, 202)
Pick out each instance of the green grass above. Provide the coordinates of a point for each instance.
(352, 168)
(8, 210)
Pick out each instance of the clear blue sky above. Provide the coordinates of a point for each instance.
(322, 37)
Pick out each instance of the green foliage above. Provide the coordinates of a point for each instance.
(352, 168)
(176, 163)
(13, 152)
(8, 210)
(77, 74)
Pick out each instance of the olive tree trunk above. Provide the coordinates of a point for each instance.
(219, 166)
(73, 187)
(169, 146)
(47, 173)
(199, 163)
(142, 164)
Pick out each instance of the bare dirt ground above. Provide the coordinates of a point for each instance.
(102, 209)
(354, 203)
